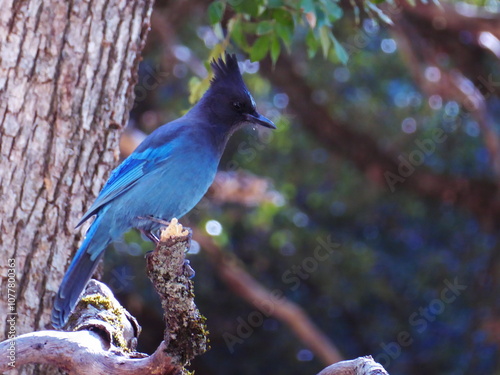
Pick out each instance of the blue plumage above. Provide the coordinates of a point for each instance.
(165, 177)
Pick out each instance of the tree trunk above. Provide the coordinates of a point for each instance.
(67, 74)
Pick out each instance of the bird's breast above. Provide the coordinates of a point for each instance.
(172, 189)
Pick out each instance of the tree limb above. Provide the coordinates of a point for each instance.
(185, 333)
(359, 366)
(81, 353)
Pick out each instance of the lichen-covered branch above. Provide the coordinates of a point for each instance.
(102, 340)
(185, 332)
(99, 311)
(82, 353)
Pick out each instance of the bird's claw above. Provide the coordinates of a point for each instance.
(152, 237)
(188, 270)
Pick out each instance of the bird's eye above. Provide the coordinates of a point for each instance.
(238, 106)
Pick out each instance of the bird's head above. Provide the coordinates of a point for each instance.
(228, 99)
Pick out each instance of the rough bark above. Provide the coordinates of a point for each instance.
(85, 353)
(67, 73)
(185, 335)
(359, 366)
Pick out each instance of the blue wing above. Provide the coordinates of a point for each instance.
(126, 175)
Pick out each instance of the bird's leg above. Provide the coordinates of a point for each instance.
(156, 220)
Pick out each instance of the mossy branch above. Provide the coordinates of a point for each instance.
(185, 333)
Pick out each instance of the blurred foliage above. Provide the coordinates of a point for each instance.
(489, 5)
(398, 253)
(264, 27)
(268, 23)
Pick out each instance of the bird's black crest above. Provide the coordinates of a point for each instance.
(226, 71)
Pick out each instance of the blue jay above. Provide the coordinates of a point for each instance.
(165, 177)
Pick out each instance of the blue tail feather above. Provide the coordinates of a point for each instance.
(79, 273)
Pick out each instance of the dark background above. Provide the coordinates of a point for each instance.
(401, 101)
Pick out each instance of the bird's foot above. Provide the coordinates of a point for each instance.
(151, 235)
(148, 226)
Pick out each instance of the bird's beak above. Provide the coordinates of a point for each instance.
(257, 118)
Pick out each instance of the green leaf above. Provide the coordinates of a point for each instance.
(312, 44)
(282, 17)
(250, 7)
(307, 6)
(215, 12)
(249, 27)
(324, 38)
(216, 52)
(260, 48)
(275, 3)
(284, 25)
(264, 27)
(285, 33)
(219, 33)
(334, 11)
(322, 19)
(339, 50)
(235, 28)
(275, 50)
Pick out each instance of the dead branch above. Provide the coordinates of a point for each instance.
(359, 366)
(99, 311)
(185, 333)
(81, 353)
(102, 340)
